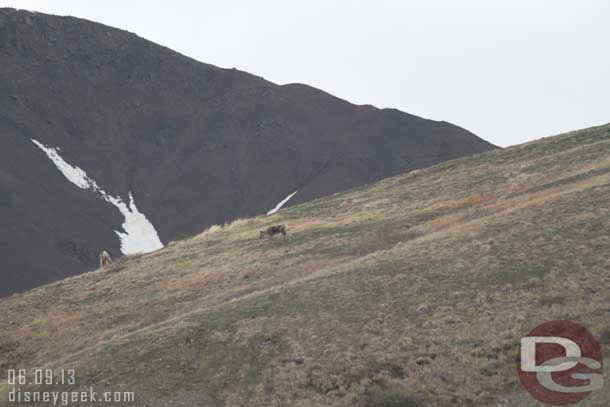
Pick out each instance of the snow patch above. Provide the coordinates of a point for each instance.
(282, 203)
(74, 174)
(138, 235)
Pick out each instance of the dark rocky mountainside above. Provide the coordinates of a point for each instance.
(195, 144)
(413, 291)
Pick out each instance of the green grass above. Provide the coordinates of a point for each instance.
(381, 296)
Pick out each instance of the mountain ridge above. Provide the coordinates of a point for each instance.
(194, 144)
(384, 293)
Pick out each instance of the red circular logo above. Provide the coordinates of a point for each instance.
(560, 363)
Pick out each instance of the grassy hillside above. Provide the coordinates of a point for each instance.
(413, 291)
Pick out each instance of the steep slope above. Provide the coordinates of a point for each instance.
(196, 145)
(414, 291)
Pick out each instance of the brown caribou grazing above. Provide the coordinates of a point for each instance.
(272, 231)
(105, 259)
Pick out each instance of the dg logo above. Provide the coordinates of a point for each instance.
(560, 363)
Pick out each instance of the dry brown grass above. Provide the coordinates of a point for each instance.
(435, 241)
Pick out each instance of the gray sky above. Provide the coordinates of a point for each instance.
(510, 70)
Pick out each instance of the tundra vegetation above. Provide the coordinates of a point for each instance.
(412, 291)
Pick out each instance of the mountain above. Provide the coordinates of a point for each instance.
(194, 145)
(412, 291)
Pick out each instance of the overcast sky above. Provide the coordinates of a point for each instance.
(508, 70)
